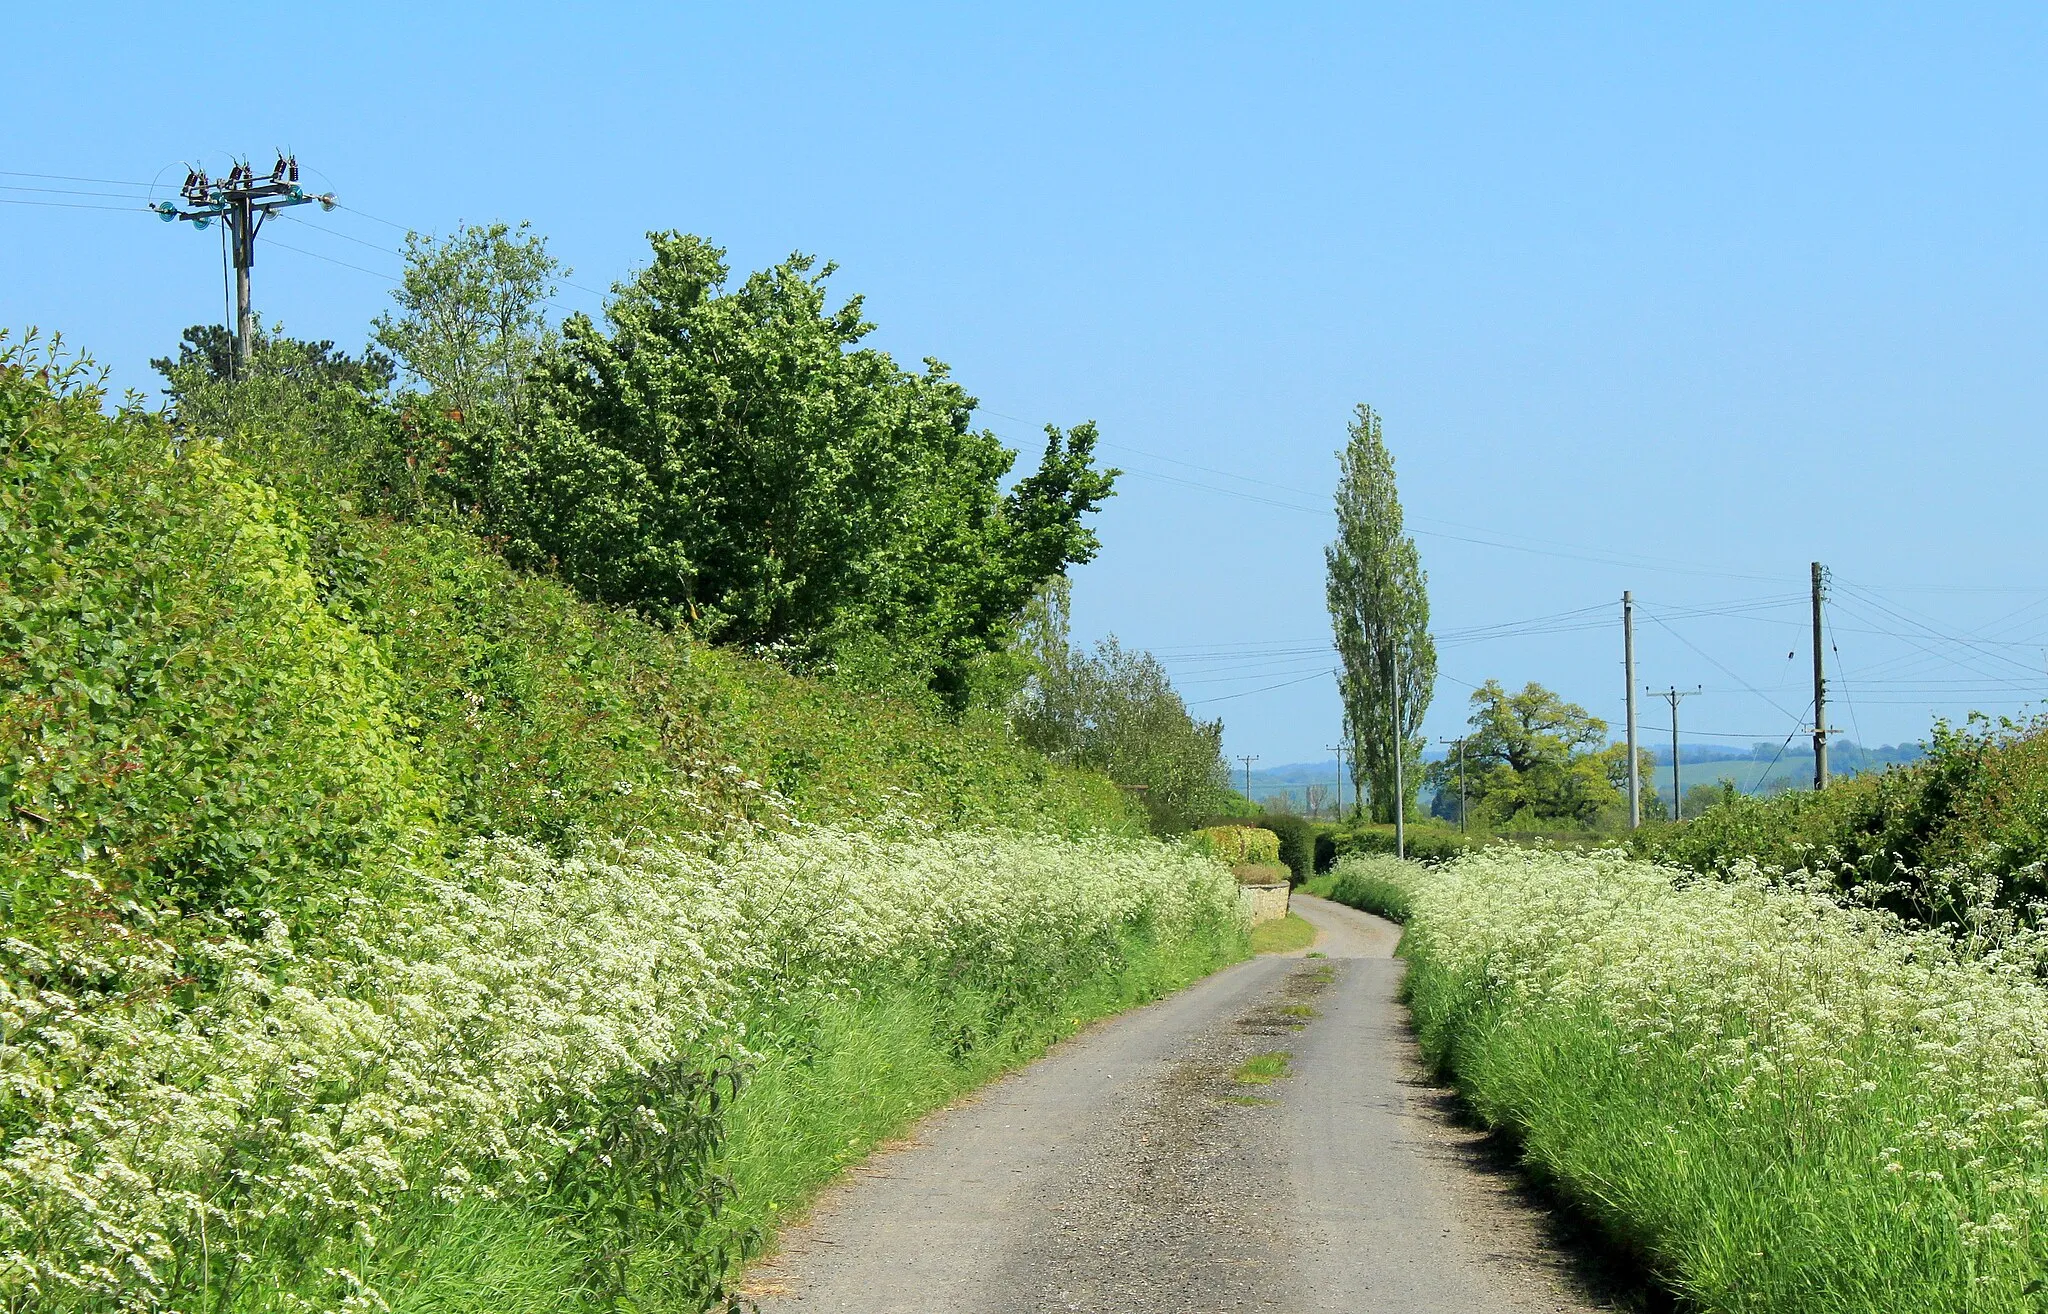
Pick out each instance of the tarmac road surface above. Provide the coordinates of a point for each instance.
(1127, 1172)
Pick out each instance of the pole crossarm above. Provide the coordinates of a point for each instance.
(207, 199)
(241, 201)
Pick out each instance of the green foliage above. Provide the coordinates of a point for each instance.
(1533, 761)
(1975, 807)
(734, 460)
(1297, 843)
(1115, 711)
(180, 717)
(554, 719)
(249, 697)
(1377, 883)
(1427, 841)
(1379, 611)
(302, 415)
(471, 325)
(1237, 844)
(1777, 1102)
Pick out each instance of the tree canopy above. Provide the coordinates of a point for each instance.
(1115, 710)
(1379, 611)
(733, 459)
(1531, 757)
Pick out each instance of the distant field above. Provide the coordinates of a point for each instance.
(1751, 776)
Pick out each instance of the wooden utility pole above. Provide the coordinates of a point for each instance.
(1400, 755)
(1248, 760)
(1338, 749)
(1672, 696)
(1820, 687)
(1460, 742)
(241, 202)
(1628, 665)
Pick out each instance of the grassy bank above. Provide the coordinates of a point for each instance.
(386, 928)
(1782, 1104)
(558, 1083)
(224, 689)
(1376, 883)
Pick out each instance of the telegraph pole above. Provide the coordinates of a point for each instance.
(1672, 696)
(241, 201)
(1248, 774)
(1628, 662)
(1460, 742)
(1338, 749)
(1820, 686)
(1400, 755)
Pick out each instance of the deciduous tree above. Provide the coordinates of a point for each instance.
(734, 460)
(1533, 756)
(1116, 711)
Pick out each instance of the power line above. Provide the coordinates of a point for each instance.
(66, 177)
(300, 250)
(241, 202)
(1715, 660)
(75, 205)
(67, 191)
(1224, 698)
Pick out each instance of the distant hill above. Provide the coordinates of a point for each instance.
(1758, 769)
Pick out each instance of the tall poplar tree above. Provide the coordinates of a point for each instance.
(1379, 611)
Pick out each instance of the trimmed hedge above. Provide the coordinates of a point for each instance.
(1301, 841)
(1237, 844)
(1426, 842)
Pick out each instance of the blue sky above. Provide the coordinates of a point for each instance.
(1670, 298)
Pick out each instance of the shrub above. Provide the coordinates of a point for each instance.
(1301, 840)
(1237, 844)
(1297, 843)
(180, 718)
(1978, 802)
(1426, 842)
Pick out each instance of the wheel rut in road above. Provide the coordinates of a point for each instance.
(1131, 1171)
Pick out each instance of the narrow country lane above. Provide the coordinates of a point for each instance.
(1129, 1173)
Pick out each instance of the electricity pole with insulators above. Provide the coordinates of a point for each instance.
(1460, 743)
(1820, 684)
(241, 202)
(1672, 695)
(1628, 679)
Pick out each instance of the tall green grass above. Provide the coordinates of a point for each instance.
(1781, 1103)
(837, 1082)
(1375, 883)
